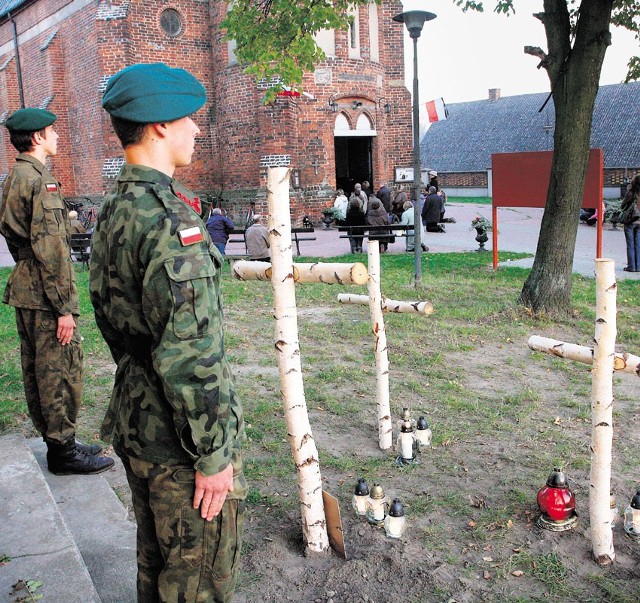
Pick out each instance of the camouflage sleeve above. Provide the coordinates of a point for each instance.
(50, 244)
(181, 304)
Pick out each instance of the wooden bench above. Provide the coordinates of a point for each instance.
(294, 232)
(81, 248)
(376, 232)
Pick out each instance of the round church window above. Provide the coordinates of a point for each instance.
(171, 22)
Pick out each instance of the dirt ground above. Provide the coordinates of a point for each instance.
(450, 553)
(470, 503)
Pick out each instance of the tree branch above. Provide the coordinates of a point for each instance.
(537, 52)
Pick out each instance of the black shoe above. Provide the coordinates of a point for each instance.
(424, 247)
(67, 459)
(627, 269)
(91, 449)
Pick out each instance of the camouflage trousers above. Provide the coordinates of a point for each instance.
(182, 558)
(52, 374)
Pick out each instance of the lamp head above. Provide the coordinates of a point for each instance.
(414, 20)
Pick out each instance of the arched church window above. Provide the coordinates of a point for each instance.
(342, 123)
(364, 123)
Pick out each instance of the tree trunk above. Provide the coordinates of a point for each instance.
(303, 446)
(574, 72)
(602, 413)
(388, 305)
(385, 427)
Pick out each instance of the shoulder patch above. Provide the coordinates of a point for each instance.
(193, 203)
(51, 187)
(189, 236)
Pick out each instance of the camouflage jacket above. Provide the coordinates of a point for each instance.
(34, 221)
(155, 288)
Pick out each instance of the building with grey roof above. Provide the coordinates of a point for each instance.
(460, 147)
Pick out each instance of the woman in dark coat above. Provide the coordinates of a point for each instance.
(377, 216)
(355, 217)
(632, 230)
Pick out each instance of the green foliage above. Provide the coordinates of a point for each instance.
(274, 38)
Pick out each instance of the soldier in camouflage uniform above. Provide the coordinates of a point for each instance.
(173, 418)
(33, 219)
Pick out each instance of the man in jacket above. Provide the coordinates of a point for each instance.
(155, 286)
(42, 289)
(219, 227)
(432, 210)
(257, 239)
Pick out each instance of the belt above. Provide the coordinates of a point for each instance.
(25, 253)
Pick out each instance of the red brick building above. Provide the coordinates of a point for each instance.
(59, 54)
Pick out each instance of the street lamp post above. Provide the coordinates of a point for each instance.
(414, 20)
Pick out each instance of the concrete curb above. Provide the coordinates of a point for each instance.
(98, 523)
(34, 535)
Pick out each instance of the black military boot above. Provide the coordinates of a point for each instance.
(92, 449)
(67, 459)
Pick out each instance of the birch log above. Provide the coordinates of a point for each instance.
(602, 412)
(388, 305)
(303, 446)
(622, 362)
(244, 270)
(343, 274)
(385, 428)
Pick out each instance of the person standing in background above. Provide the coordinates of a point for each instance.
(219, 227)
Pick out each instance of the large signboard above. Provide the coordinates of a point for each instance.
(522, 179)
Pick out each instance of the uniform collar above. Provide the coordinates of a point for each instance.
(31, 159)
(131, 172)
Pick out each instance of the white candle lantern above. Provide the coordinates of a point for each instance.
(376, 505)
(614, 510)
(406, 442)
(360, 495)
(423, 432)
(394, 522)
(632, 518)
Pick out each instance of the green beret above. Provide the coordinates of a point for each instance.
(153, 93)
(29, 120)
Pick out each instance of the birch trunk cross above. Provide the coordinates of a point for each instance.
(605, 361)
(303, 446)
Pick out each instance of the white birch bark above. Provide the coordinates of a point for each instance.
(622, 362)
(303, 446)
(324, 272)
(388, 305)
(602, 412)
(245, 270)
(385, 428)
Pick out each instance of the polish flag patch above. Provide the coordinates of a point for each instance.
(51, 187)
(190, 236)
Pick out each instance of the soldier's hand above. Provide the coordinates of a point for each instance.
(211, 492)
(66, 325)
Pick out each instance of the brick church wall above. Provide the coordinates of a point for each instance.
(69, 50)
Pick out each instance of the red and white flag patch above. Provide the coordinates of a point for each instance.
(190, 236)
(51, 187)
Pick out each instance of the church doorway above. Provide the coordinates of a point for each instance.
(353, 161)
(353, 140)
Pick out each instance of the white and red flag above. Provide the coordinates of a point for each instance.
(437, 110)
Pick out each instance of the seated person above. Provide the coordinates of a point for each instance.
(257, 238)
(76, 225)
